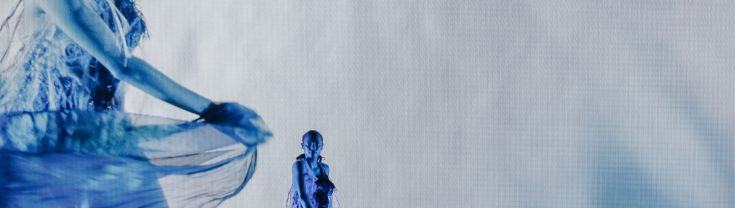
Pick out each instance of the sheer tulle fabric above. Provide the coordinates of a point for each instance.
(65, 142)
(113, 159)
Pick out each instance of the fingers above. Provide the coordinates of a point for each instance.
(239, 122)
(228, 114)
(248, 138)
(259, 124)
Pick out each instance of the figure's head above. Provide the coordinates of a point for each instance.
(312, 144)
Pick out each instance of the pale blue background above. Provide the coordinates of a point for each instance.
(470, 103)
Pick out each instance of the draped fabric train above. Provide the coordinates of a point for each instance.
(115, 159)
(66, 142)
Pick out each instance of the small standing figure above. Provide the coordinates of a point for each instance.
(311, 187)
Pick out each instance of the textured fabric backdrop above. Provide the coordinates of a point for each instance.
(470, 103)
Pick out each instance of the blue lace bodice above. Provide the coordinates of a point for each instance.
(54, 73)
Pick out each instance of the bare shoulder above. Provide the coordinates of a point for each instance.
(295, 164)
(34, 6)
(295, 168)
(325, 167)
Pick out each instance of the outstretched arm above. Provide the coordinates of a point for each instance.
(92, 34)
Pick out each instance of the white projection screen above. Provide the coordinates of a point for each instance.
(468, 103)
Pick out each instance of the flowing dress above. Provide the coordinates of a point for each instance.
(317, 186)
(66, 142)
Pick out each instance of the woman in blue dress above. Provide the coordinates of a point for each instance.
(311, 187)
(64, 138)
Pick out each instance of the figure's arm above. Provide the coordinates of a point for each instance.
(92, 34)
(325, 167)
(298, 183)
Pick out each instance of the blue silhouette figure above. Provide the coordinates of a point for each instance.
(64, 138)
(311, 187)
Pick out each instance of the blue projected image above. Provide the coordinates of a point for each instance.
(65, 139)
(433, 103)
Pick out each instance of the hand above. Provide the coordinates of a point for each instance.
(238, 122)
